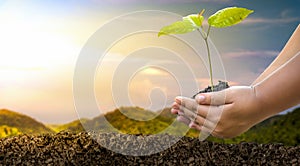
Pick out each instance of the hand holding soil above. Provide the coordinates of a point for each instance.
(230, 116)
(231, 112)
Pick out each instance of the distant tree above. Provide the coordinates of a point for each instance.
(5, 131)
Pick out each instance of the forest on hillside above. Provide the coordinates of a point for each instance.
(278, 129)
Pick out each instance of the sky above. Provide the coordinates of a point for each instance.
(41, 43)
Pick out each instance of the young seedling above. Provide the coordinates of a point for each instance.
(223, 18)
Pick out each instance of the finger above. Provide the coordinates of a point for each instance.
(213, 98)
(193, 117)
(190, 107)
(209, 116)
(180, 113)
(200, 120)
(175, 105)
(183, 120)
(186, 102)
(205, 122)
(188, 113)
(175, 108)
(201, 110)
(178, 99)
(194, 125)
(174, 111)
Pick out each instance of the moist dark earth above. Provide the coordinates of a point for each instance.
(66, 148)
(220, 86)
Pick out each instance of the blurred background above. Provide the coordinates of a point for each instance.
(41, 40)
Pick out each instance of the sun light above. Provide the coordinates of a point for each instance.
(26, 53)
(153, 71)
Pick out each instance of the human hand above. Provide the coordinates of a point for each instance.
(223, 114)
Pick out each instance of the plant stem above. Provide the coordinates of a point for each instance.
(202, 33)
(205, 37)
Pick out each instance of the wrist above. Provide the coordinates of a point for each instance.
(266, 108)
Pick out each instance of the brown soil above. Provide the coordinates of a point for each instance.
(220, 86)
(79, 149)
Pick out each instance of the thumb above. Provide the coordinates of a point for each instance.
(212, 98)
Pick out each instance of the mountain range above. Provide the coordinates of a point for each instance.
(13, 123)
(134, 120)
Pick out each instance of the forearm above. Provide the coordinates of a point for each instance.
(280, 90)
(291, 48)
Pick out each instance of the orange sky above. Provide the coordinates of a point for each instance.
(41, 42)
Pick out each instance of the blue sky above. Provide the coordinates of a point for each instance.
(41, 41)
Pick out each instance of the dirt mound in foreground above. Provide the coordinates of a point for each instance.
(80, 149)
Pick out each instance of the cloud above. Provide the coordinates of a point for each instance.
(158, 1)
(203, 1)
(270, 20)
(286, 13)
(214, 1)
(249, 53)
(153, 71)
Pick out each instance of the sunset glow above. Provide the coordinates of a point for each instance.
(41, 41)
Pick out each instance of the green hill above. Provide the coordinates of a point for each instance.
(140, 121)
(282, 129)
(13, 123)
(278, 129)
(134, 120)
(75, 126)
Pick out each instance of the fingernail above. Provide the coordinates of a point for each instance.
(174, 111)
(191, 125)
(200, 98)
(178, 99)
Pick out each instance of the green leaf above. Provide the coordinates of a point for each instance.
(188, 24)
(228, 17)
(179, 27)
(195, 19)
